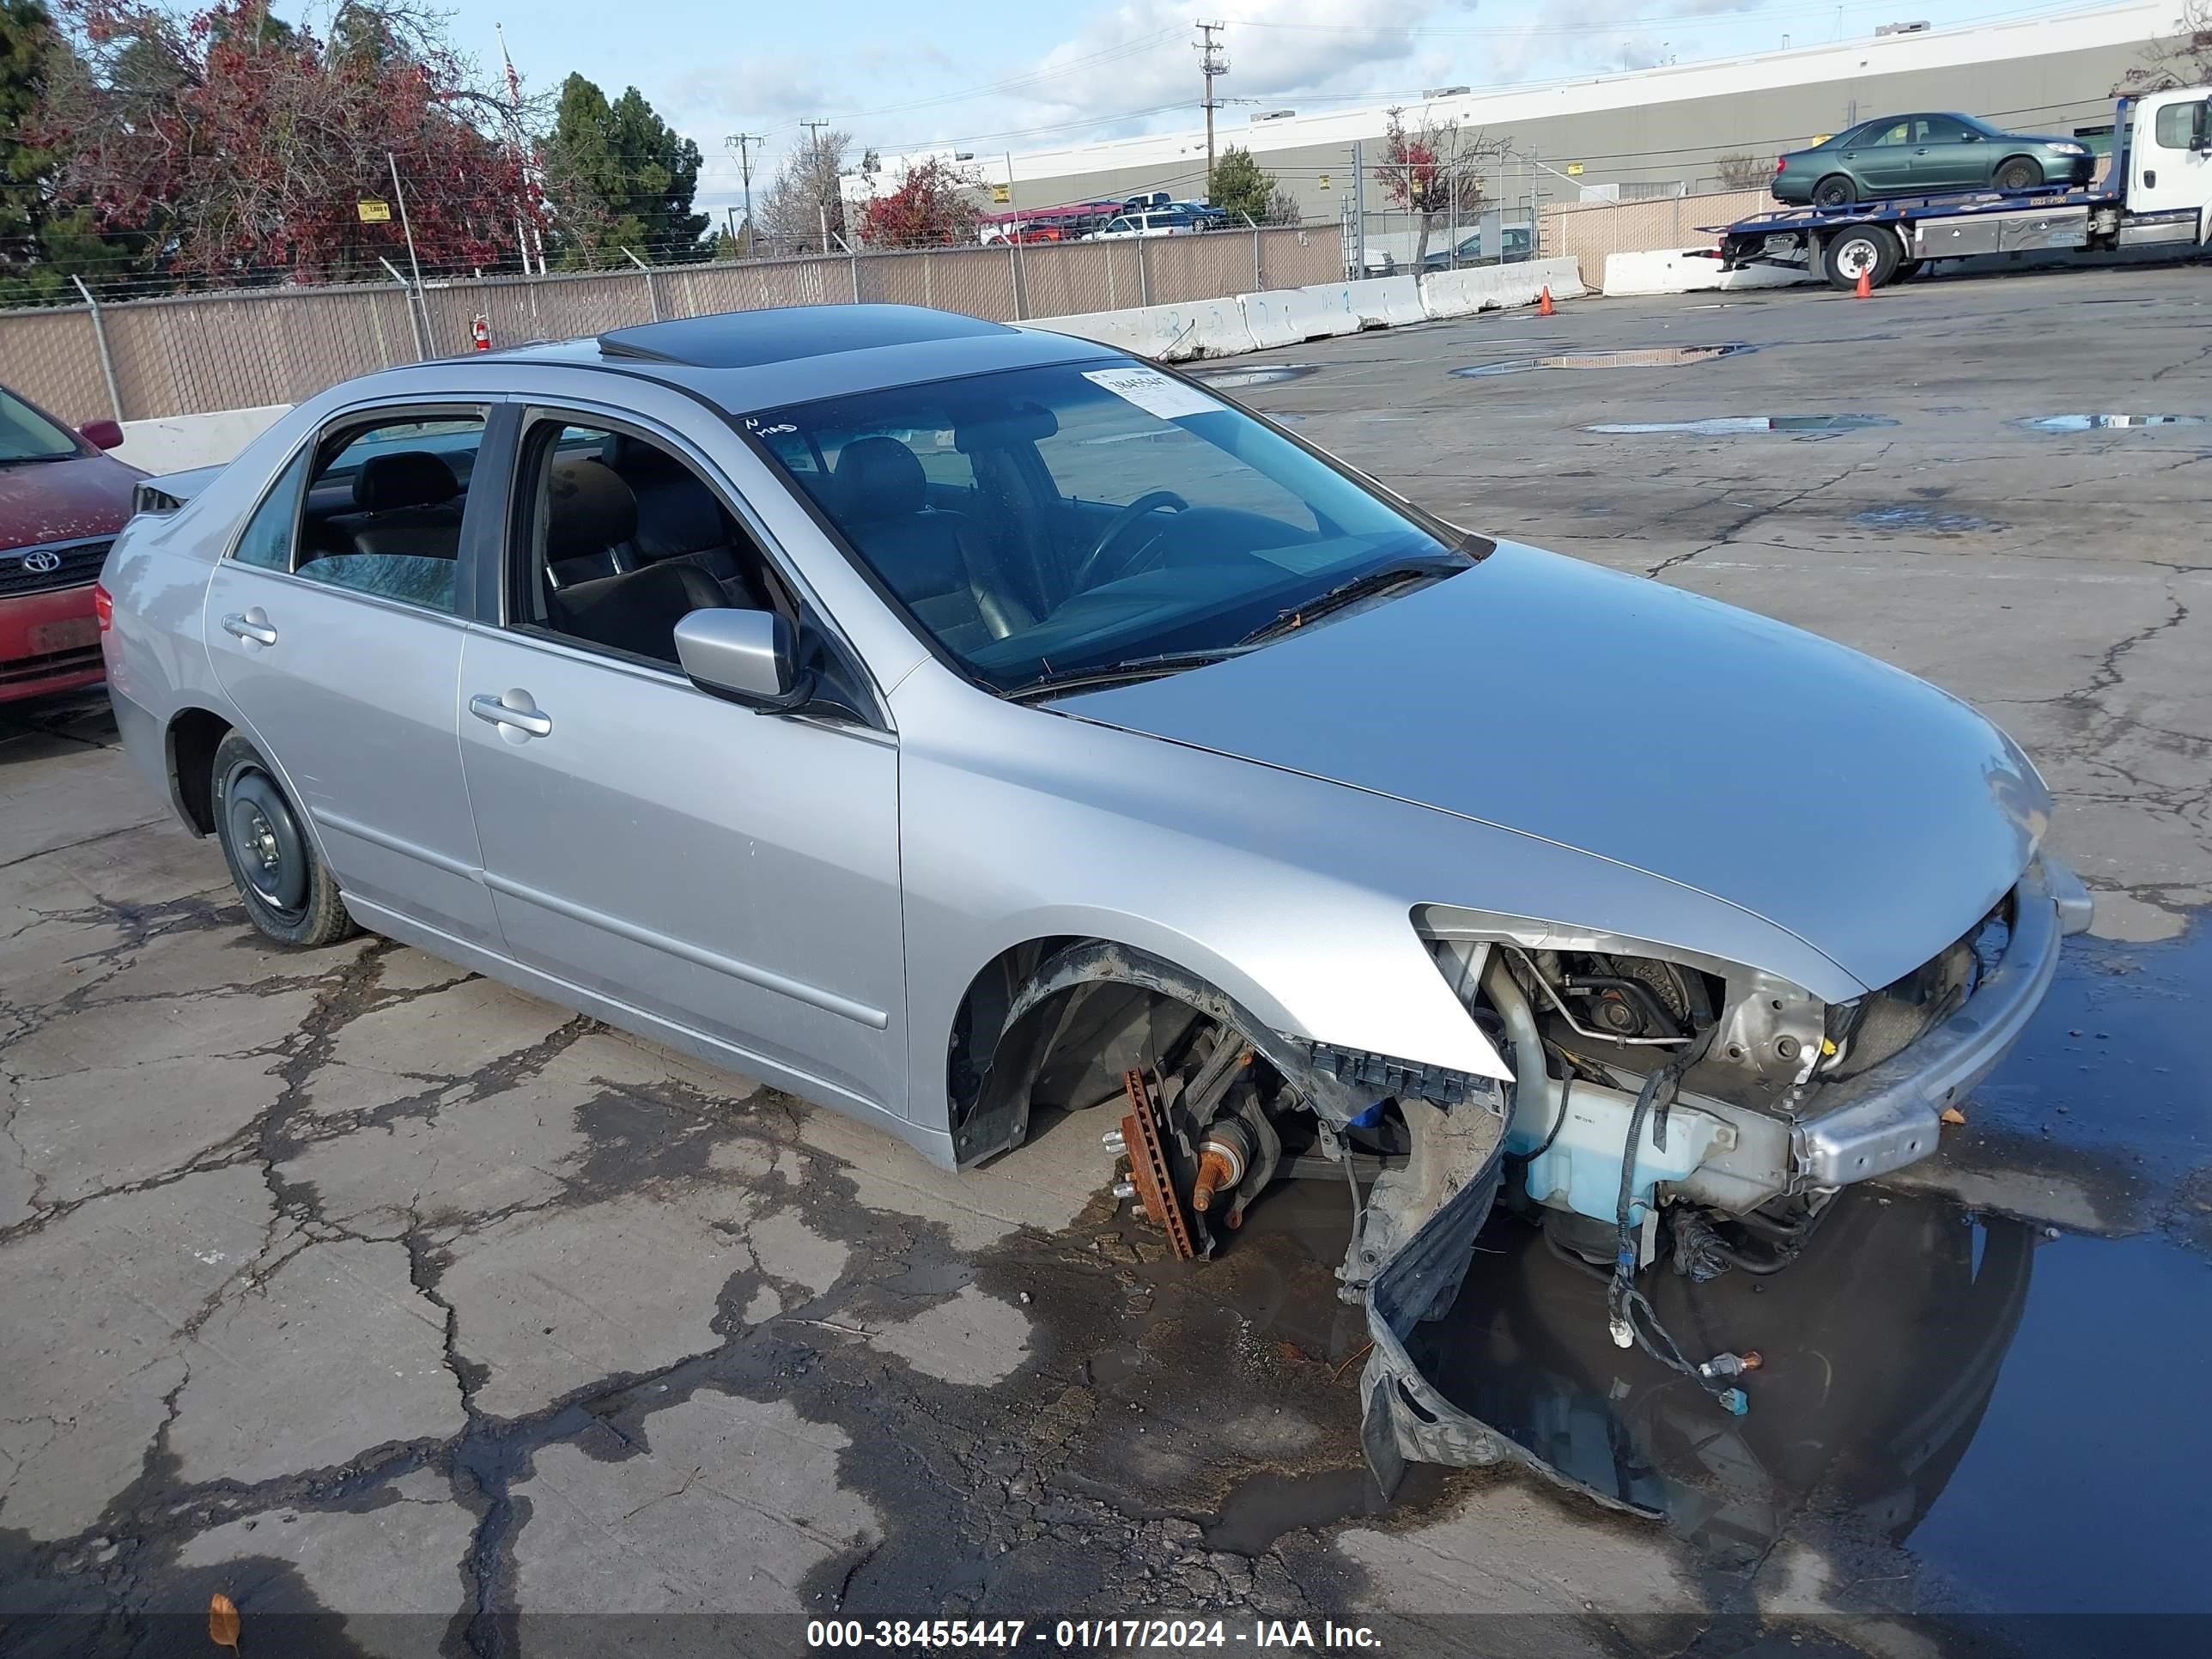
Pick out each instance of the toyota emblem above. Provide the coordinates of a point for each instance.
(42, 562)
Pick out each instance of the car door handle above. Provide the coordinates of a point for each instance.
(253, 626)
(497, 711)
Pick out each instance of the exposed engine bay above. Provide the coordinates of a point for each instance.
(1649, 1122)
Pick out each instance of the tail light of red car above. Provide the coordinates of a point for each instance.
(103, 606)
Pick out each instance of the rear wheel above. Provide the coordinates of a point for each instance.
(2017, 173)
(290, 894)
(1907, 269)
(1834, 192)
(1868, 250)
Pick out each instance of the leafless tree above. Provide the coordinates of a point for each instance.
(2183, 58)
(805, 193)
(1742, 172)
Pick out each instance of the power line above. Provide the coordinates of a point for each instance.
(745, 141)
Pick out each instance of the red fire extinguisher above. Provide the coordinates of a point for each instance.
(481, 333)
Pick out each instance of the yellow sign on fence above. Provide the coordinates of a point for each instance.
(1002, 192)
(373, 211)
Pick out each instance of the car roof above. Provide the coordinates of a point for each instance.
(747, 360)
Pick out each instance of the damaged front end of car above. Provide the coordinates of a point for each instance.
(1663, 1106)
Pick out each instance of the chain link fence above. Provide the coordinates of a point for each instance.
(191, 354)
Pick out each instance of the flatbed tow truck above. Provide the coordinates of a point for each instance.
(2157, 193)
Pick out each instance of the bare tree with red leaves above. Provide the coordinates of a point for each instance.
(934, 206)
(243, 145)
(1436, 169)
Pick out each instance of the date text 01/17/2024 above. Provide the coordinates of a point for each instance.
(1114, 1634)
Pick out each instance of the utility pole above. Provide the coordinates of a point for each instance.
(821, 200)
(744, 143)
(1213, 65)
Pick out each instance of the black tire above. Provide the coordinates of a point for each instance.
(2017, 173)
(290, 896)
(1834, 192)
(1907, 269)
(1871, 248)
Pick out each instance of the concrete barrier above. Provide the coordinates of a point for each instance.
(1489, 288)
(1287, 316)
(1386, 302)
(1172, 334)
(1691, 270)
(177, 442)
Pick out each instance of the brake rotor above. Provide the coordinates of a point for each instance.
(1148, 1166)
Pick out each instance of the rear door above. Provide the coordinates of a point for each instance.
(335, 627)
(1882, 158)
(732, 873)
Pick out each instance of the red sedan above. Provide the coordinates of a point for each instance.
(61, 503)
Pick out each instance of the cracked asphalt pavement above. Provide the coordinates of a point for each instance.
(422, 1317)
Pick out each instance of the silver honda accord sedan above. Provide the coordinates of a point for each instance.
(953, 723)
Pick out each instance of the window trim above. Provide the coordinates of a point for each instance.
(488, 410)
(515, 550)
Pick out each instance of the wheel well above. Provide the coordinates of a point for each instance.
(2009, 160)
(194, 736)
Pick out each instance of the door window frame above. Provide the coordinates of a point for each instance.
(513, 552)
(491, 448)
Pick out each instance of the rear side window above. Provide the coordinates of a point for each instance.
(267, 539)
(384, 508)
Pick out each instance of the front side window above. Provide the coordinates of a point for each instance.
(1046, 524)
(28, 435)
(620, 539)
(2176, 126)
(381, 509)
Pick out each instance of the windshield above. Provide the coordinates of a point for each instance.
(28, 435)
(1044, 524)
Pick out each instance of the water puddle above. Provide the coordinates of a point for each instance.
(2011, 1412)
(1232, 380)
(1730, 426)
(1923, 518)
(1634, 357)
(2104, 423)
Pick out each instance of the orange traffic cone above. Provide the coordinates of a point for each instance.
(1865, 289)
(1544, 301)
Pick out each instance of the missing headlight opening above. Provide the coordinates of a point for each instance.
(1666, 1112)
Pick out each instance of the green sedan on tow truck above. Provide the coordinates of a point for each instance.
(1917, 154)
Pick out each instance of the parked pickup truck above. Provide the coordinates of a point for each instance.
(2157, 193)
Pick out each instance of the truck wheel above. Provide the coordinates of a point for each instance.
(1907, 269)
(2018, 173)
(1869, 249)
(1834, 192)
(290, 894)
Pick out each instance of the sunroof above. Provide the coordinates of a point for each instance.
(745, 339)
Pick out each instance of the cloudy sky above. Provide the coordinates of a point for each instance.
(991, 75)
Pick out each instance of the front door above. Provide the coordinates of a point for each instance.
(1949, 155)
(2169, 171)
(732, 873)
(333, 628)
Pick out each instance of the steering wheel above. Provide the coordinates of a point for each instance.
(1096, 561)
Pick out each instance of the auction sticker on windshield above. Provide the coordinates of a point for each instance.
(1153, 392)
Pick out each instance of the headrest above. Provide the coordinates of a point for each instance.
(588, 509)
(878, 478)
(411, 477)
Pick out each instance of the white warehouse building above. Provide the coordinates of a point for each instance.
(1644, 133)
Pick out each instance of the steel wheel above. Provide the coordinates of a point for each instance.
(290, 895)
(1834, 192)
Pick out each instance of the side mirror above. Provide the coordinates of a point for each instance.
(748, 656)
(102, 434)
